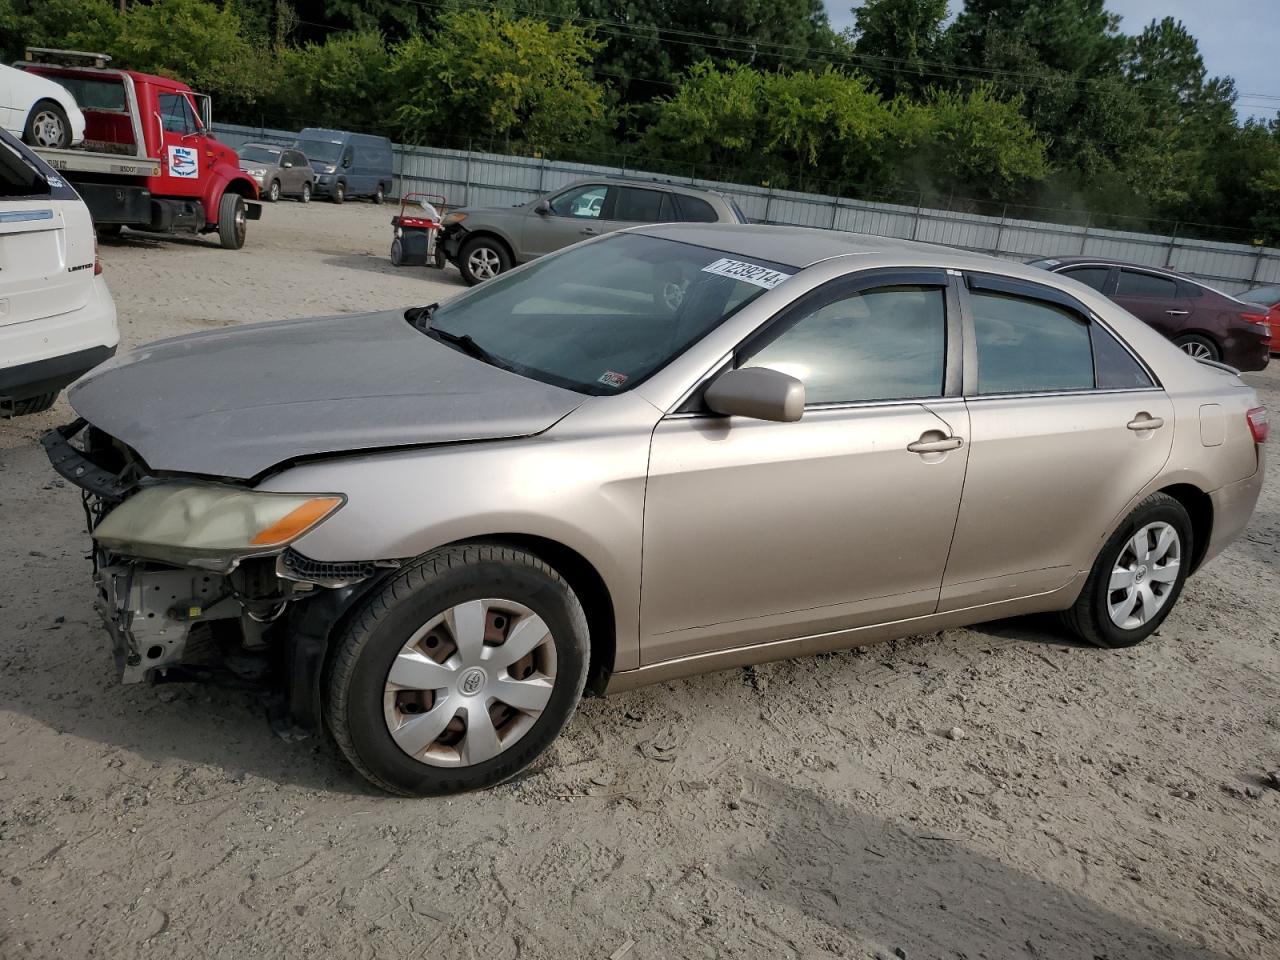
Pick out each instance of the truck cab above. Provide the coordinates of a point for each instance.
(148, 160)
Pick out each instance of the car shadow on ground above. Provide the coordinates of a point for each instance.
(381, 263)
(153, 241)
(922, 892)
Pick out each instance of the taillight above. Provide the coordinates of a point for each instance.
(1258, 424)
(97, 260)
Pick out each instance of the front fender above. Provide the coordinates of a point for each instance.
(583, 489)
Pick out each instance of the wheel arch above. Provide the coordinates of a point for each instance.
(1199, 507)
(488, 233)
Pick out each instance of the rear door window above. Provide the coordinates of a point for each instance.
(1134, 283)
(638, 206)
(1029, 346)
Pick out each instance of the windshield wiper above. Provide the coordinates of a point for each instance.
(420, 317)
(468, 346)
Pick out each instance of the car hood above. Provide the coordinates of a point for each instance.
(236, 402)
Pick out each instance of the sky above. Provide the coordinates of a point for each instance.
(1238, 38)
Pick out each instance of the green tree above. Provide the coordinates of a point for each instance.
(897, 41)
(972, 144)
(490, 76)
(345, 82)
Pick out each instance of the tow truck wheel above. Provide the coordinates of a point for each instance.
(232, 221)
(47, 126)
(339, 192)
(306, 193)
(273, 192)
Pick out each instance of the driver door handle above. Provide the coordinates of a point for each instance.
(1177, 313)
(935, 446)
(588, 231)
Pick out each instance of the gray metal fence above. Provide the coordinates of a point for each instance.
(489, 179)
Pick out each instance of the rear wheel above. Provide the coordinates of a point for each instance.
(1198, 347)
(39, 404)
(1137, 577)
(459, 672)
(233, 221)
(339, 192)
(378, 197)
(273, 191)
(397, 252)
(482, 258)
(306, 192)
(47, 126)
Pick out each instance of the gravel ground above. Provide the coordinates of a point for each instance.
(994, 792)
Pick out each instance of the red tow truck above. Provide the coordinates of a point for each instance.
(148, 161)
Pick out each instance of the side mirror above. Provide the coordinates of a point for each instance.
(542, 208)
(757, 392)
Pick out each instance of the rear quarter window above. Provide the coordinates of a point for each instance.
(696, 210)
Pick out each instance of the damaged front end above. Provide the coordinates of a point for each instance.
(197, 578)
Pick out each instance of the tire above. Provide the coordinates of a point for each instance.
(232, 221)
(38, 404)
(1198, 347)
(1094, 617)
(47, 126)
(273, 192)
(482, 258)
(306, 192)
(339, 192)
(378, 196)
(397, 252)
(361, 708)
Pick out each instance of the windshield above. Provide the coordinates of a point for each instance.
(259, 154)
(319, 151)
(601, 318)
(1268, 296)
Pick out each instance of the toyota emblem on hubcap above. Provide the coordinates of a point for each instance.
(471, 681)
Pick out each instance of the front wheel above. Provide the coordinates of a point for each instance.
(459, 672)
(378, 196)
(273, 191)
(339, 192)
(1198, 347)
(1137, 577)
(482, 258)
(306, 192)
(233, 221)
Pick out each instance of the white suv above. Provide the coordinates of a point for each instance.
(57, 319)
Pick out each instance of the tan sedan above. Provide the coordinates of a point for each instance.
(673, 449)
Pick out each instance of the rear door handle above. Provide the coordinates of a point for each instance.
(1145, 423)
(1177, 313)
(588, 231)
(935, 446)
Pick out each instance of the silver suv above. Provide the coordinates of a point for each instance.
(486, 241)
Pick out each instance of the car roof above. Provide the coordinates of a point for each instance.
(803, 246)
(645, 182)
(1109, 262)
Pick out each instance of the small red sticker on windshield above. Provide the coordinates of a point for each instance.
(611, 379)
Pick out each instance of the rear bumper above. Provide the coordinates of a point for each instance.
(41, 356)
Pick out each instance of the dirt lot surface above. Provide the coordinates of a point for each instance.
(995, 792)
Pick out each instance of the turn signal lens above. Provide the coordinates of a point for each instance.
(97, 260)
(1259, 426)
(297, 521)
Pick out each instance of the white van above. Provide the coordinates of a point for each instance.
(57, 319)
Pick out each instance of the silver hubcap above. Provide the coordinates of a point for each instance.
(1194, 348)
(470, 683)
(275, 191)
(484, 263)
(1144, 575)
(47, 129)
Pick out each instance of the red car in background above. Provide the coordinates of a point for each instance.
(1268, 297)
(1205, 323)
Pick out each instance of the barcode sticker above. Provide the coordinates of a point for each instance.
(747, 272)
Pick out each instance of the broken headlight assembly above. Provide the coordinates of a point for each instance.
(210, 526)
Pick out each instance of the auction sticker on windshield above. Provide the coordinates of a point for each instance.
(746, 272)
(611, 378)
